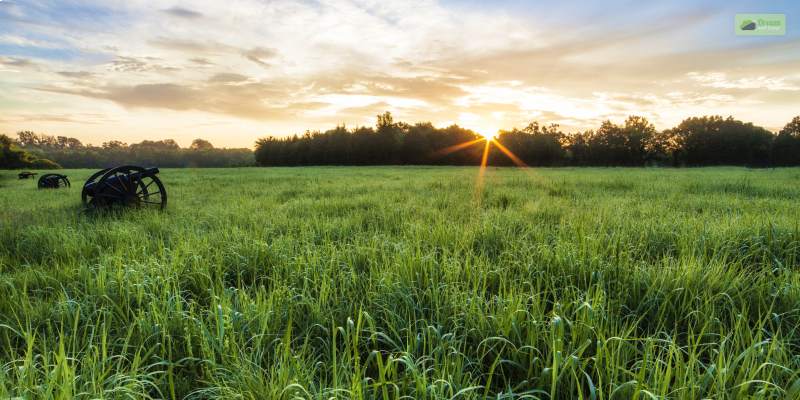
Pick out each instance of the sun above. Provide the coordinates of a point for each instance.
(488, 135)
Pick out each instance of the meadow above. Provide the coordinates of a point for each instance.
(407, 282)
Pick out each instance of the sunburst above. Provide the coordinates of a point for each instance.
(489, 140)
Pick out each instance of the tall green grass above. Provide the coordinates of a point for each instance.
(385, 283)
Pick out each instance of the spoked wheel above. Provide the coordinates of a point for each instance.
(131, 186)
(53, 181)
(91, 181)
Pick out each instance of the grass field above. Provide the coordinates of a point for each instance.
(389, 282)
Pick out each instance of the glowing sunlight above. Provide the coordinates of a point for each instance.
(489, 135)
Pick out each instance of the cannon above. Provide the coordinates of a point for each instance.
(53, 181)
(26, 175)
(125, 186)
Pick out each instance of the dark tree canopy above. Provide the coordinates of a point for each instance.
(201, 144)
(696, 141)
(388, 143)
(786, 148)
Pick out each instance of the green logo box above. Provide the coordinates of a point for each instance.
(760, 24)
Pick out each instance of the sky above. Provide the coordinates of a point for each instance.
(233, 71)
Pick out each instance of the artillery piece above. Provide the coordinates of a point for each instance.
(26, 175)
(125, 186)
(53, 181)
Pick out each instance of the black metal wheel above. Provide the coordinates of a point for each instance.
(131, 186)
(53, 181)
(89, 182)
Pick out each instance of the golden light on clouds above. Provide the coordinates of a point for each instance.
(234, 71)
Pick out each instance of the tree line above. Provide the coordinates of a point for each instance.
(696, 141)
(71, 153)
(12, 157)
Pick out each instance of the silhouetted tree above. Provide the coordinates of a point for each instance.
(720, 141)
(708, 140)
(201, 144)
(577, 148)
(607, 145)
(114, 144)
(638, 133)
(786, 147)
(388, 143)
(536, 145)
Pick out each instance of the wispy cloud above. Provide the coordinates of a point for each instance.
(16, 62)
(260, 55)
(720, 80)
(181, 12)
(76, 74)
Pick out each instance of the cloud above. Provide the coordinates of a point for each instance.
(254, 100)
(201, 61)
(181, 12)
(432, 89)
(79, 118)
(10, 10)
(23, 41)
(138, 64)
(260, 55)
(720, 80)
(160, 95)
(17, 62)
(227, 77)
(190, 45)
(76, 74)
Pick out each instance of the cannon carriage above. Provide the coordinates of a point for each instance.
(125, 186)
(26, 175)
(53, 181)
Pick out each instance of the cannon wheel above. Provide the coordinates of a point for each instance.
(146, 190)
(61, 181)
(84, 195)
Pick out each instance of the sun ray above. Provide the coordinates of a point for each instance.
(452, 149)
(485, 156)
(488, 141)
(481, 172)
(516, 160)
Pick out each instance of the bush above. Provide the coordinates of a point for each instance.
(43, 163)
